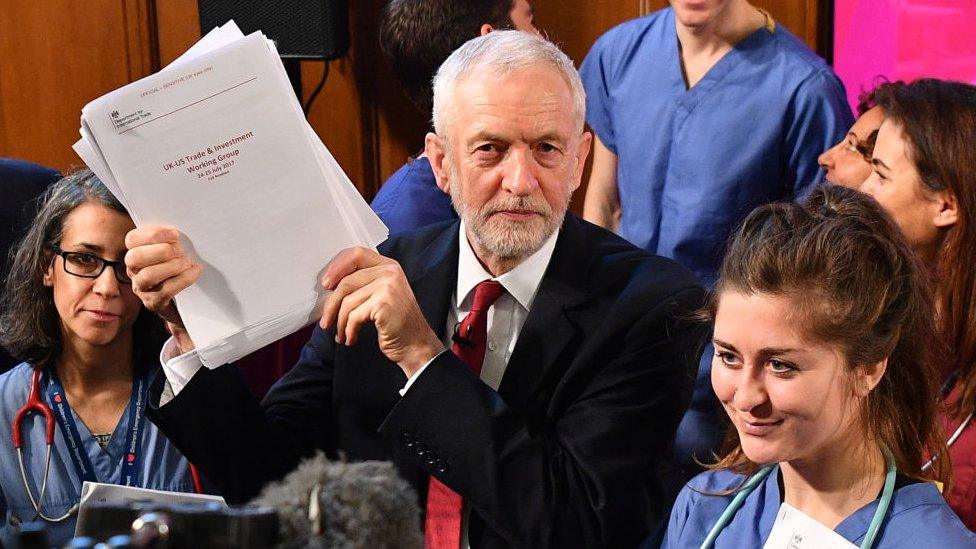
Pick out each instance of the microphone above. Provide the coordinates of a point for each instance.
(339, 504)
(461, 340)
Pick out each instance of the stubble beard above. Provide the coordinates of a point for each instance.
(507, 239)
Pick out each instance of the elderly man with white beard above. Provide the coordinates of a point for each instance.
(524, 370)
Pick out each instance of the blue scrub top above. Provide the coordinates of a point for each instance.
(163, 466)
(410, 198)
(918, 516)
(693, 163)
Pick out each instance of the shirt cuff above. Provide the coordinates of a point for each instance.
(414, 377)
(177, 368)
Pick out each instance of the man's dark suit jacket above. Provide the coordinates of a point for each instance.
(563, 455)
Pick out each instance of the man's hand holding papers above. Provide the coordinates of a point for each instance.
(367, 287)
(160, 269)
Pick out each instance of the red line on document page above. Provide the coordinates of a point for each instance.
(188, 106)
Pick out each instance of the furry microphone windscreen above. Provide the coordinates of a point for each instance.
(326, 504)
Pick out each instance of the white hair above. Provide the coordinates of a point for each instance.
(502, 53)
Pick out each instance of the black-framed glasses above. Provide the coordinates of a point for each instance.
(87, 265)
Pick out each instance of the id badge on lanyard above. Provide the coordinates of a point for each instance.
(76, 447)
(794, 529)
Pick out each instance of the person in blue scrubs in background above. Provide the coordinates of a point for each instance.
(416, 36)
(703, 111)
(70, 313)
(826, 365)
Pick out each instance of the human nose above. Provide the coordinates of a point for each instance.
(106, 283)
(750, 392)
(826, 159)
(520, 177)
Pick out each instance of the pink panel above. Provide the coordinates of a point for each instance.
(903, 40)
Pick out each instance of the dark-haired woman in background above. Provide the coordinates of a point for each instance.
(89, 349)
(925, 177)
(825, 365)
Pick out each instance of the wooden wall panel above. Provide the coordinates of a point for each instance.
(56, 56)
(178, 27)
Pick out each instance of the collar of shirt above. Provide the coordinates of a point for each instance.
(522, 282)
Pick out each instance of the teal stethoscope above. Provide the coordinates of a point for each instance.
(759, 476)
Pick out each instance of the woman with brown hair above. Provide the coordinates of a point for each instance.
(824, 364)
(925, 177)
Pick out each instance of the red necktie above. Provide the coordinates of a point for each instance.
(443, 525)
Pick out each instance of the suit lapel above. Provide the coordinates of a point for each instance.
(556, 319)
(434, 283)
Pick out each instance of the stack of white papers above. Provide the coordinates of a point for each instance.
(217, 146)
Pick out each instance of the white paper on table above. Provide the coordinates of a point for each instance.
(97, 492)
(794, 529)
(246, 210)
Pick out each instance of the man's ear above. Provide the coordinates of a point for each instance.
(948, 213)
(485, 29)
(436, 152)
(866, 378)
(582, 151)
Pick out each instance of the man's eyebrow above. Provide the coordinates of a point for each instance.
(486, 136)
(550, 136)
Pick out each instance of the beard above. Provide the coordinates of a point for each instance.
(506, 238)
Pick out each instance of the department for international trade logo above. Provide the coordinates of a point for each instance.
(124, 121)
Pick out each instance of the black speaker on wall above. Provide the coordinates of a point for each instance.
(301, 29)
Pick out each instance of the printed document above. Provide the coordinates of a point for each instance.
(216, 145)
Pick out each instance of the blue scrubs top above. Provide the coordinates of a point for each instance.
(410, 198)
(918, 516)
(163, 466)
(693, 163)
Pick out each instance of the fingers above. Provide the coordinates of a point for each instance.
(359, 316)
(159, 268)
(350, 303)
(151, 234)
(153, 274)
(353, 282)
(349, 261)
(159, 298)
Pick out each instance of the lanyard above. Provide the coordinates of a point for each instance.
(76, 448)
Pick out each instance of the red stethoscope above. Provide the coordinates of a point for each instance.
(35, 403)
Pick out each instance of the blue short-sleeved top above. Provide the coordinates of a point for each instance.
(918, 516)
(163, 467)
(693, 163)
(410, 198)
